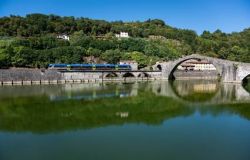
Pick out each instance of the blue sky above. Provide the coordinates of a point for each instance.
(198, 15)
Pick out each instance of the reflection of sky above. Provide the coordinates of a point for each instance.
(194, 137)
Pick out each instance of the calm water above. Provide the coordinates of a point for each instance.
(154, 120)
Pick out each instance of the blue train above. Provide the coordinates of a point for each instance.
(89, 67)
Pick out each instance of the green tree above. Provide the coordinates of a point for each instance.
(23, 57)
(4, 58)
(112, 56)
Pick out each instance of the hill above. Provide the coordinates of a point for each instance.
(32, 41)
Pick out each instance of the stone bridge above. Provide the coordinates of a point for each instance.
(228, 71)
(37, 76)
(102, 75)
(214, 92)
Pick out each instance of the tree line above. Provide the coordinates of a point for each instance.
(31, 41)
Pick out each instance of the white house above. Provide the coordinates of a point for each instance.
(63, 36)
(133, 64)
(122, 35)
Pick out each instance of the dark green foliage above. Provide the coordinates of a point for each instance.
(31, 41)
(112, 56)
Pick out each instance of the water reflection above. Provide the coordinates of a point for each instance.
(95, 91)
(71, 91)
(195, 90)
(154, 120)
(56, 108)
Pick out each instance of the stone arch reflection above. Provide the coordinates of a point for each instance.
(195, 90)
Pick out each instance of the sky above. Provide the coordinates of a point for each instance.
(199, 15)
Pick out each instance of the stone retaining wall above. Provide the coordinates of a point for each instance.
(36, 76)
(28, 75)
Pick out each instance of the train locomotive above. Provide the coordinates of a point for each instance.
(90, 67)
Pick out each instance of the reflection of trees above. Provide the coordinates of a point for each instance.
(41, 115)
(242, 110)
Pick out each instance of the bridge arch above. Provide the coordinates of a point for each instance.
(128, 74)
(246, 78)
(244, 73)
(110, 75)
(246, 83)
(159, 67)
(143, 75)
(170, 67)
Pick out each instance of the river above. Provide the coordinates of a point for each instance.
(159, 120)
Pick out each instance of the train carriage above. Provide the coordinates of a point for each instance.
(89, 67)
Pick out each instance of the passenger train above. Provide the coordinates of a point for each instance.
(89, 67)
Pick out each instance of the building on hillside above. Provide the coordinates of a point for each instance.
(154, 37)
(133, 64)
(186, 67)
(63, 36)
(122, 35)
(194, 65)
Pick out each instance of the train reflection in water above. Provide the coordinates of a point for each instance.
(187, 91)
(90, 96)
(95, 91)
